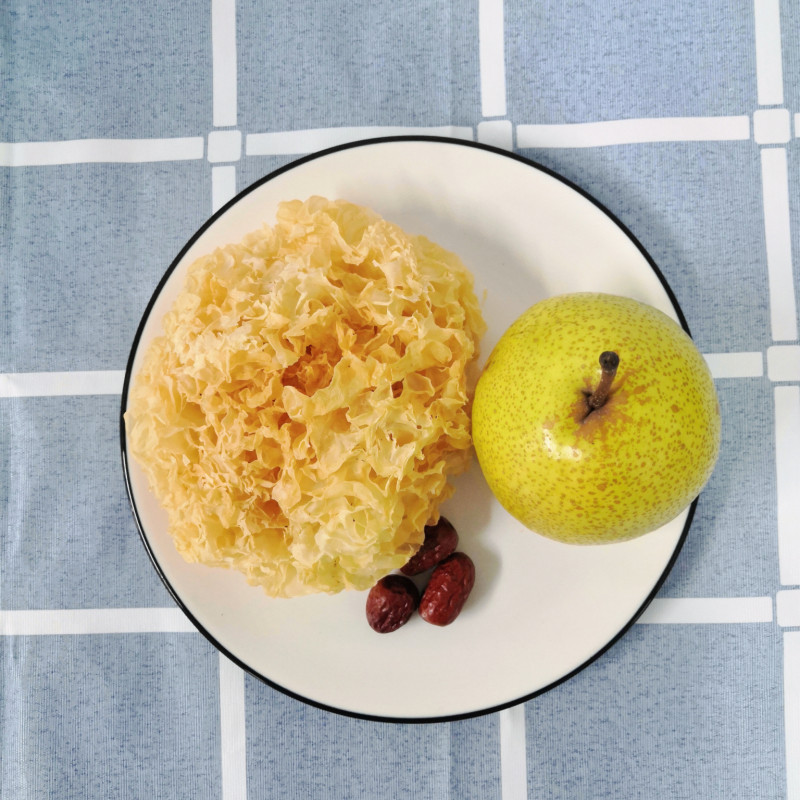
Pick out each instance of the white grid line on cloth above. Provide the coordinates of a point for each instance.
(233, 730)
(492, 58)
(634, 131)
(299, 142)
(791, 700)
(777, 231)
(772, 126)
(496, 132)
(769, 61)
(94, 151)
(310, 140)
(53, 384)
(707, 610)
(86, 621)
(223, 62)
(92, 621)
(787, 468)
(223, 181)
(223, 186)
(513, 753)
(232, 717)
(787, 604)
(735, 365)
(783, 362)
(224, 146)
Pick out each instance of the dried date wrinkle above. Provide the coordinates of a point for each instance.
(440, 541)
(391, 603)
(448, 589)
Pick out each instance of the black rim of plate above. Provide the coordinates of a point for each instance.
(124, 402)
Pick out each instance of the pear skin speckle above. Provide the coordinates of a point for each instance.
(622, 470)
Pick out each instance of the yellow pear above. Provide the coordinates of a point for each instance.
(588, 452)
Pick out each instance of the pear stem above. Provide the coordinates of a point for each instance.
(609, 361)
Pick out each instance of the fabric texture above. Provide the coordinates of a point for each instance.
(680, 119)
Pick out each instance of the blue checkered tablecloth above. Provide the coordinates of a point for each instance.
(123, 126)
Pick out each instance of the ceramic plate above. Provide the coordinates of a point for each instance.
(540, 610)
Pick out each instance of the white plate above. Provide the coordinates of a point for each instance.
(540, 610)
